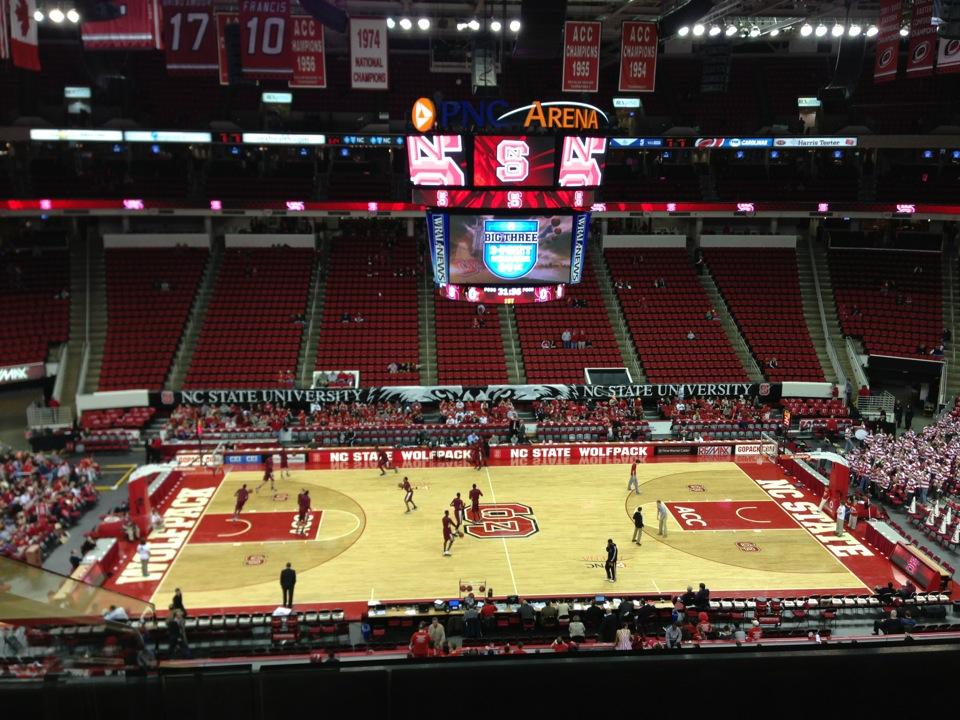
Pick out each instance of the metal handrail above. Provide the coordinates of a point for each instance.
(831, 352)
(858, 374)
(84, 366)
(61, 372)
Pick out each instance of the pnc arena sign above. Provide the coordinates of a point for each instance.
(496, 114)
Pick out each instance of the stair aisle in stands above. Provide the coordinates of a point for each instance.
(951, 313)
(307, 359)
(78, 293)
(730, 328)
(427, 326)
(767, 309)
(811, 310)
(198, 311)
(98, 314)
(617, 321)
(817, 254)
(512, 350)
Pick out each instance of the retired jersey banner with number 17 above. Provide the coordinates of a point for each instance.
(189, 36)
(264, 41)
(581, 56)
(638, 56)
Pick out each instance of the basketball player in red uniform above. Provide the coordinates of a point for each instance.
(267, 473)
(458, 506)
(477, 457)
(449, 532)
(475, 496)
(408, 494)
(383, 462)
(284, 464)
(303, 507)
(242, 494)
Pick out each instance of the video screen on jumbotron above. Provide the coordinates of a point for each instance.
(437, 160)
(513, 161)
(505, 248)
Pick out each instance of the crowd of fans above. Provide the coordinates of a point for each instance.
(709, 409)
(457, 412)
(41, 495)
(916, 464)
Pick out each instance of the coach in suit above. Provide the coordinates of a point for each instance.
(288, 579)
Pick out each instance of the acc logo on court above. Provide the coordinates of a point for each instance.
(255, 560)
(503, 520)
(748, 547)
(696, 488)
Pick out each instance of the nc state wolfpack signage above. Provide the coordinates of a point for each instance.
(307, 49)
(638, 56)
(264, 46)
(137, 29)
(888, 42)
(923, 39)
(581, 57)
(189, 36)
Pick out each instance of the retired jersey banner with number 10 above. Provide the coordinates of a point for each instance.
(307, 50)
(581, 57)
(264, 41)
(638, 56)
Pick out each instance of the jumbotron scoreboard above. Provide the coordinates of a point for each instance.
(509, 215)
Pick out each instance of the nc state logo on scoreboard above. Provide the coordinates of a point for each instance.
(501, 520)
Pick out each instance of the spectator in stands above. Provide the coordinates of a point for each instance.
(594, 615)
(116, 614)
(890, 625)
(566, 337)
(704, 629)
(660, 283)
(609, 625)
(358, 318)
(946, 336)
(773, 363)
(548, 344)
(470, 601)
(345, 317)
(481, 309)
(177, 602)
(674, 636)
(755, 633)
(702, 599)
(177, 634)
(471, 622)
(527, 613)
(691, 335)
(578, 632)
(437, 633)
(560, 645)
(420, 642)
(75, 558)
(689, 598)
(549, 615)
(908, 622)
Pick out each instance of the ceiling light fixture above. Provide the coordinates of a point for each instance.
(754, 31)
(683, 31)
(837, 30)
(854, 30)
(731, 30)
(423, 23)
(872, 31)
(515, 26)
(904, 32)
(474, 25)
(774, 32)
(391, 23)
(495, 26)
(821, 30)
(714, 30)
(806, 30)
(57, 15)
(698, 29)
(406, 23)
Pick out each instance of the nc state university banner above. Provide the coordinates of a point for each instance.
(888, 42)
(307, 49)
(23, 34)
(368, 54)
(638, 56)
(189, 36)
(137, 29)
(581, 57)
(923, 38)
(264, 50)
(948, 58)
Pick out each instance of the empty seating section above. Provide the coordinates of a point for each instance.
(914, 182)
(149, 296)
(889, 300)
(536, 323)
(660, 318)
(285, 180)
(466, 354)
(33, 317)
(377, 279)
(249, 335)
(761, 289)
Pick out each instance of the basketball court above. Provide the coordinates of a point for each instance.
(739, 527)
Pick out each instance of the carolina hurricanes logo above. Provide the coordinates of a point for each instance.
(886, 57)
(23, 17)
(921, 51)
(709, 142)
(952, 48)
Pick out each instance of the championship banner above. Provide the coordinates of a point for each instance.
(224, 19)
(264, 50)
(948, 58)
(638, 56)
(923, 38)
(307, 49)
(24, 50)
(189, 37)
(888, 42)
(767, 392)
(368, 54)
(581, 56)
(137, 29)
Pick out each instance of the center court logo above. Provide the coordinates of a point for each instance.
(502, 520)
